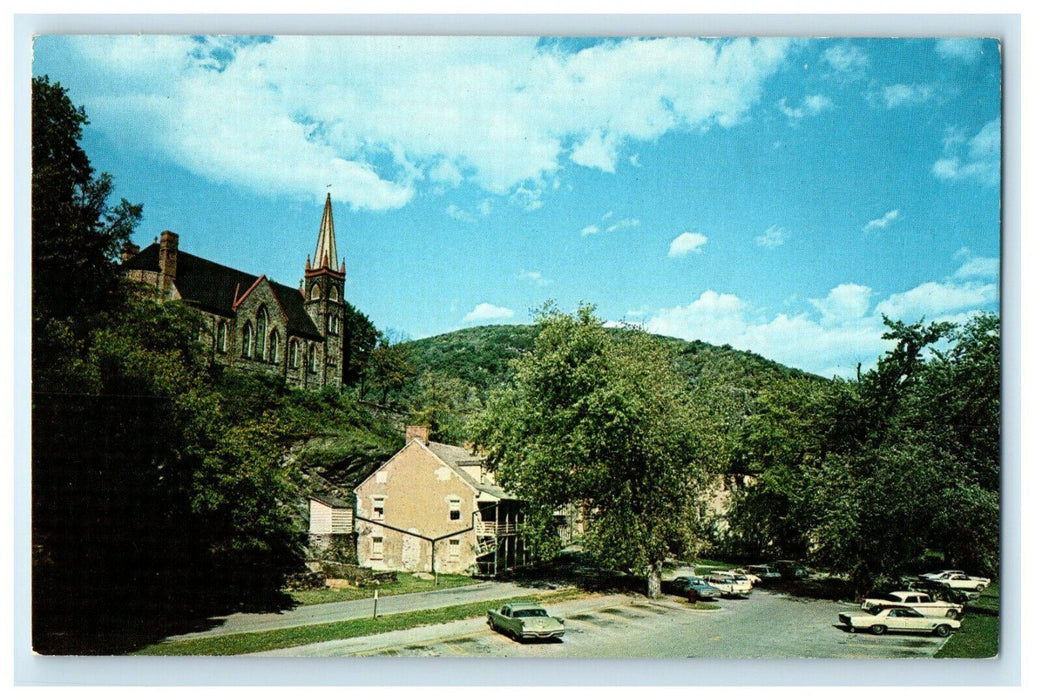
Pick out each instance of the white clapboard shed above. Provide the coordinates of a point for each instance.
(330, 516)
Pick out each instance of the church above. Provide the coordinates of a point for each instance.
(254, 324)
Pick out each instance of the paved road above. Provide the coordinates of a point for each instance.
(335, 612)
(764, 626)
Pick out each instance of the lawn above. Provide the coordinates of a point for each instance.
(406, 583)
(979, 636)
(250, 642)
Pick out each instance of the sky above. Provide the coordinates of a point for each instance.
(777, 195)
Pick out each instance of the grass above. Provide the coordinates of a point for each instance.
(251, 642)
(406, 583)
(979, 636)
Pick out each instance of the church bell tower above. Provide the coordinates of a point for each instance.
(324, 300)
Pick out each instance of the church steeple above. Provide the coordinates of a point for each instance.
(325, 248)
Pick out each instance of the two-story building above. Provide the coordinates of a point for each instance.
(435, 507)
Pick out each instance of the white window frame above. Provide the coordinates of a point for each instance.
(377, 549)
(379, 507)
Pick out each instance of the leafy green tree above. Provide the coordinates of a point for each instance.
(388, 369)
(444, 403)
(600, 421)
(360, 339)
(76, 236)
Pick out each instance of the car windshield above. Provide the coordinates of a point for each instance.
(530, 612)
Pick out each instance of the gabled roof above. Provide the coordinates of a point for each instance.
(458, 457)
(215, 288)
(331, 501)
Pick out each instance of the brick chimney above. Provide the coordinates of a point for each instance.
(167, 263)
(420, 432)
(128, 251)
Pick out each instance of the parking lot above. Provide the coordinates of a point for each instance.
(765, 625)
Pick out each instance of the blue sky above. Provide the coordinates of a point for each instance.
(776, 195)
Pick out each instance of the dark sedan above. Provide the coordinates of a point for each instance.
(691, 587)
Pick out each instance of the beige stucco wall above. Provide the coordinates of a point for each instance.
(417, 488)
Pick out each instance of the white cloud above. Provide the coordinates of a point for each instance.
(773, 237)
(812, 105)
(384, 117)
(899, 94)
(596, 152)
(687, 243)
(459, 214)
(977, 159)
(965, 50)
(978, 267)
(624, 223)
(590, 230)
(846, 58)
(533, 276)
(489, 312)
(883, 221)
(931, 299)
(845, 331)
(847, 302)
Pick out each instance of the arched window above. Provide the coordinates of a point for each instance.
(273, 346)
(316, 292)
(333, 296)
(262, 331)
(294, 353)
(247, 340)
(332, 324)
(312, 359)
(222, 336)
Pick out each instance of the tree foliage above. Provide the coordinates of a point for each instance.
(602, 422)
(864, 477)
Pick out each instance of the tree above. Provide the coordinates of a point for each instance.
(387, 370)
(600, 421)
(76, 235)
(360, 337)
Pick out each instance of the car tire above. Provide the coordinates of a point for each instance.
(942, 630)
(980, 587)
(952, 612)
(877, 629)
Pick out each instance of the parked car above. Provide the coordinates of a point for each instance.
(942, 591)
(692, 587)
(880, 620)
(916, 600)
(753, 578)
(766, 573)
(730, 584)
(959, 580)
(521, 621)
(937, 574)
(790, 569)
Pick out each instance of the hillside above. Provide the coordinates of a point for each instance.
(452, 375)
(481, 357)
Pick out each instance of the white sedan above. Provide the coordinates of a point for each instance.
(730, 584)
(959, 580)
(898, 619)
(916, 600)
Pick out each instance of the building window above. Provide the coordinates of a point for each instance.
(454, 550)
(316, 292)
(378, 507)
(273, 347)
(294, 353)
(312, 359)
(222, 336)
(454, 509)
(332, 325)
(378, 548)
(262, 331)
(247, 340)
(333, 296)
